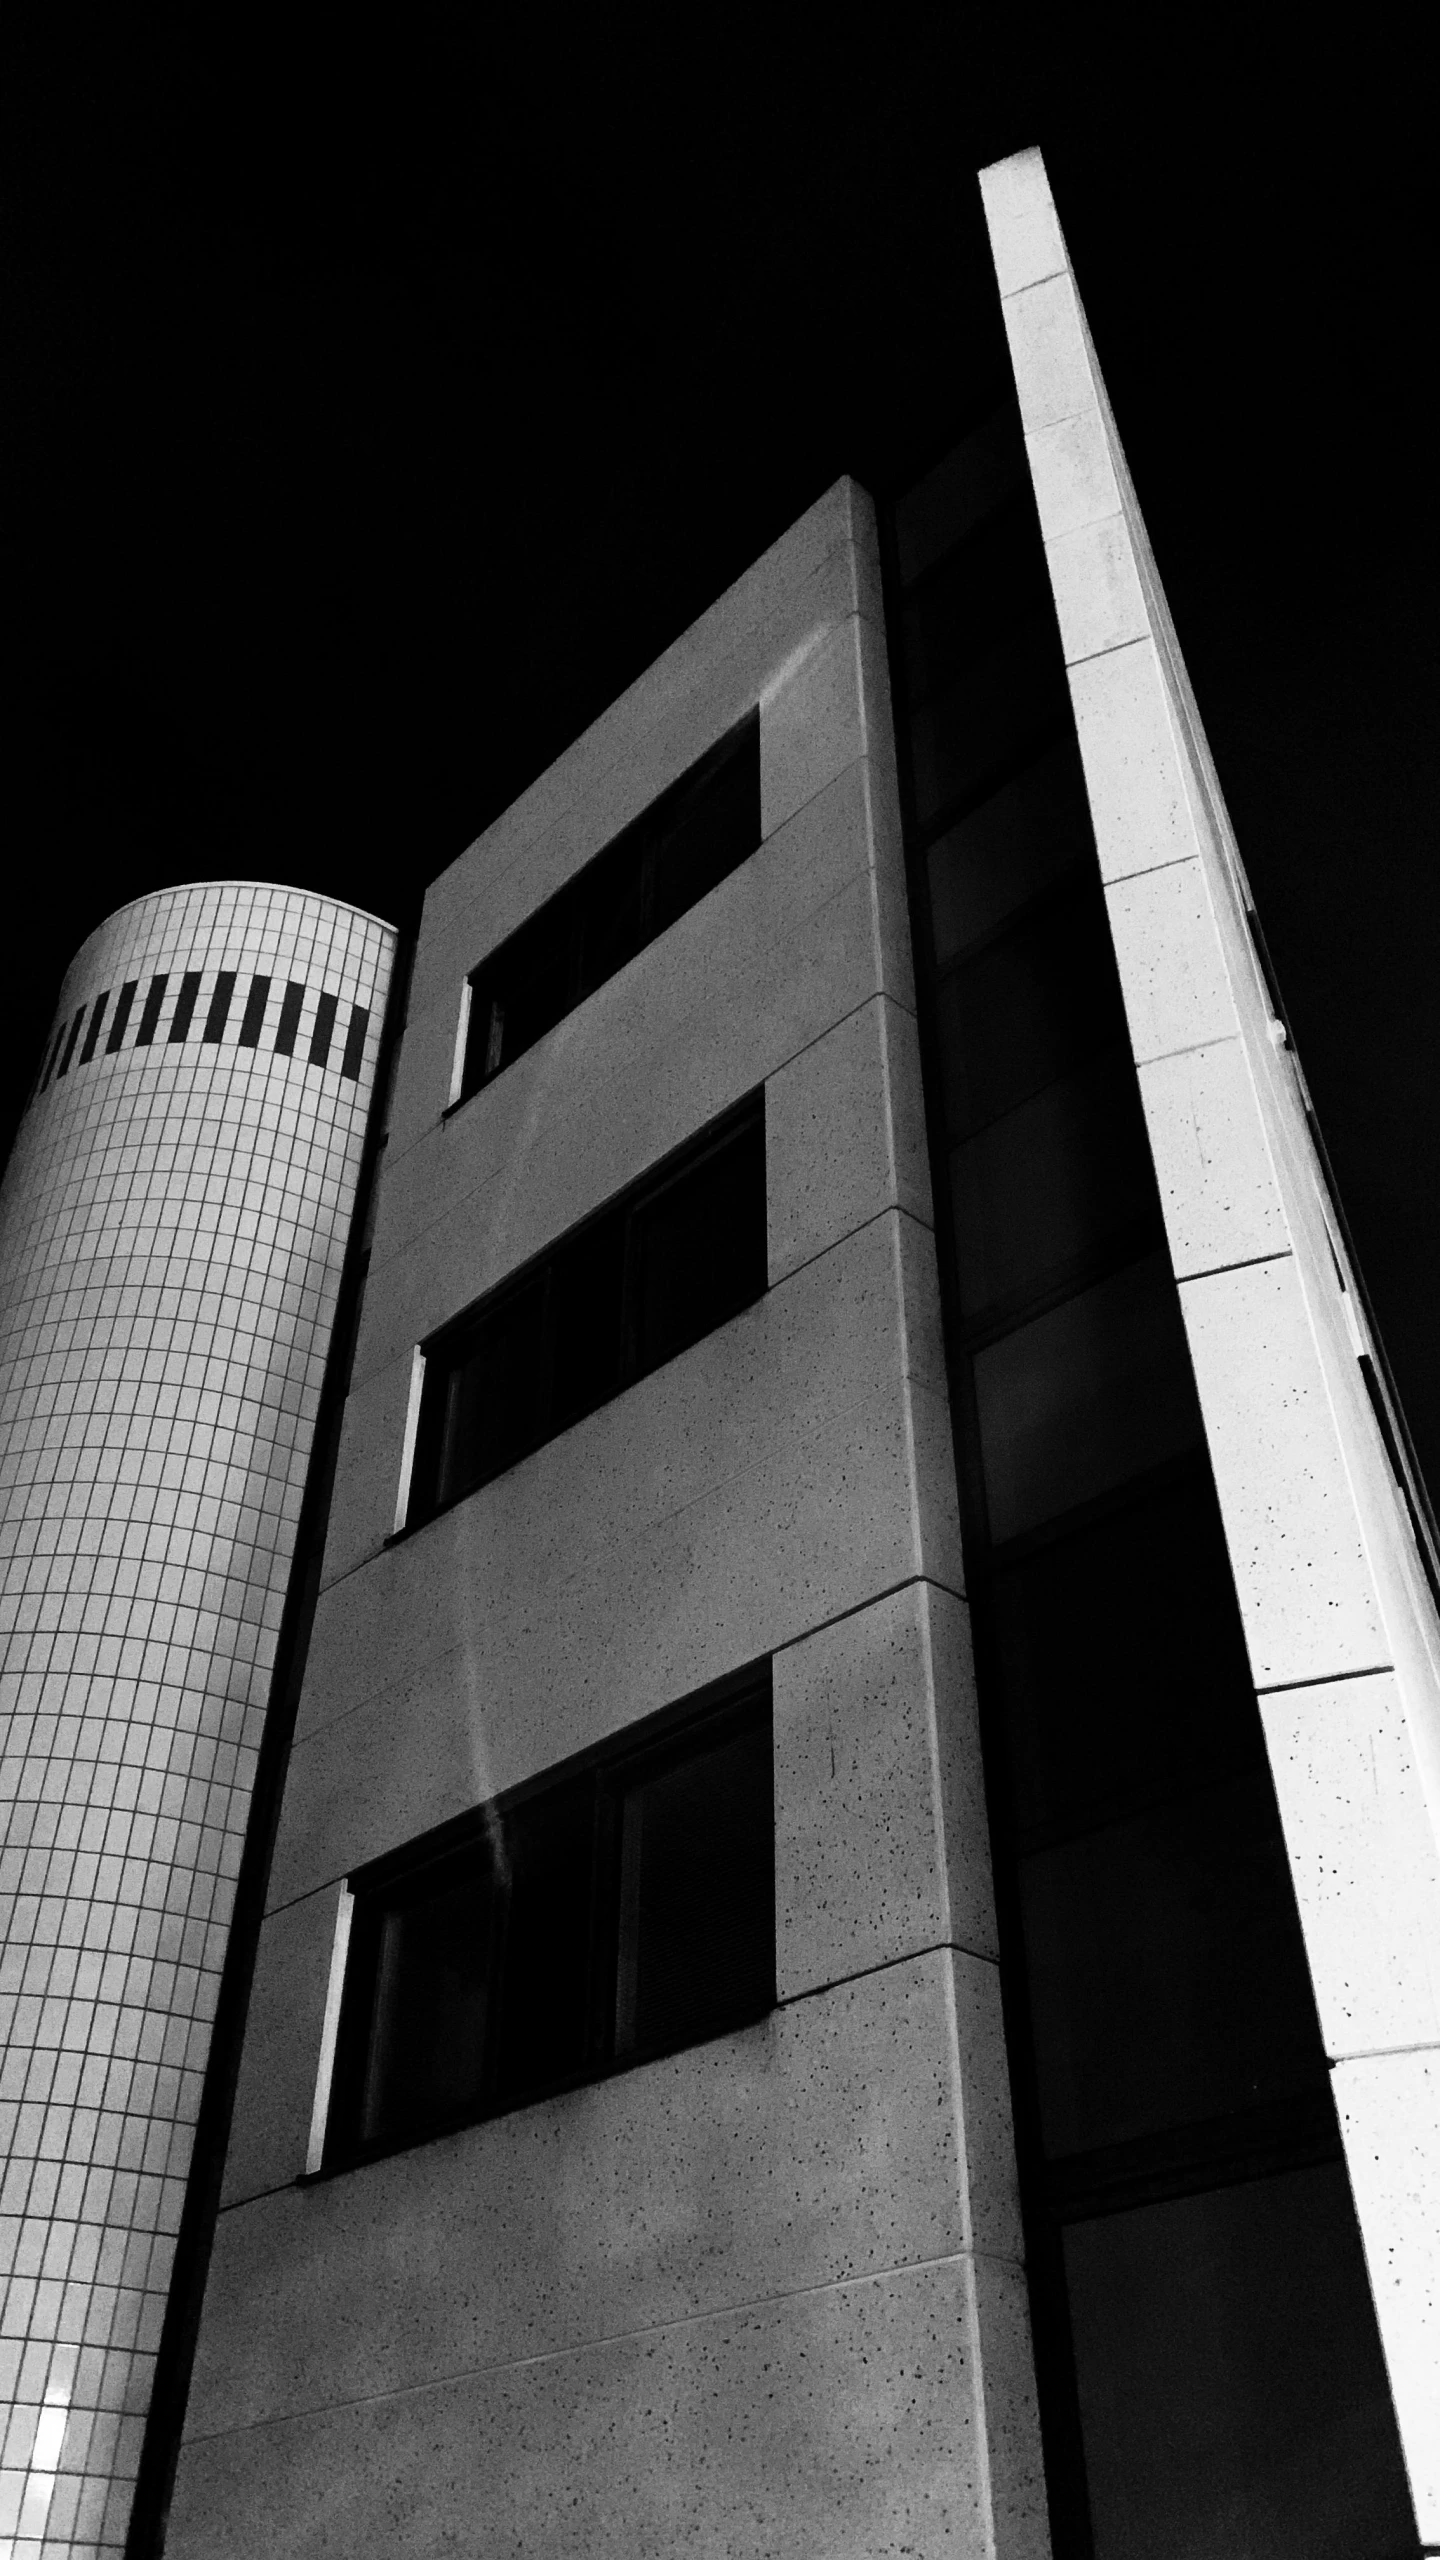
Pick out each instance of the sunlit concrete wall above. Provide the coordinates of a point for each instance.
(763, 2296)
(171, 1232)
(1341, 1627)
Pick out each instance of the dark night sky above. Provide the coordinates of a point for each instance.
(383, 399)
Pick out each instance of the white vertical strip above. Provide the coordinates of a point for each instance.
(1342, 1632)
(339, 1953)
(462, 1037)
(412, 1426)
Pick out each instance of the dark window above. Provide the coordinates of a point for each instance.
(70, 1043)
(639, 1283)
(1220, 2417)
(697, 1897)
(53, 1057)
(121, 1015)
(254, 1013)
(1034, 1001)
(967, 486)
(689, 841)
(289, 1024)
(93, 1034)
(355, 1041)
(150, 1011)
(617, 1910)
(219, 1013)
(323, 1032)
(185, 1005)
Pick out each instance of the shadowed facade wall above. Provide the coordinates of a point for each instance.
(763, 2294)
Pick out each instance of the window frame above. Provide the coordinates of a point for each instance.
(556, 931)
(743, 1700)
(442, 1355)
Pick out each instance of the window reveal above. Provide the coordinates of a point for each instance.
(615, 1912)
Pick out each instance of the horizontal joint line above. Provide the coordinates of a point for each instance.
(1247, 1262)
(1113, 647)
(612, 2338)
(1321, 1679)
(912, 1955)
(1381, 2053)
(907, 1582)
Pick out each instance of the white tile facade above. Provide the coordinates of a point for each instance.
(1343, 1636)
(171, 1234)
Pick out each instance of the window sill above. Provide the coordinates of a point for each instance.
(593, 2078)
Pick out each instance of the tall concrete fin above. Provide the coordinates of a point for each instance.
(1341, 1625)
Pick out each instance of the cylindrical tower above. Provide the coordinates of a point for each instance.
(172, 1226)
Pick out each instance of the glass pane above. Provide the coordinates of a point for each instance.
(610, 903)
(493, 1412)
(697, 1946)
(1006, 850)
(1031, 1005)
(432, 1976)
(530, 995)
(587, 1286)
(713, 830)
(1083, 1398)
(974, 601)
(548, 1849)
(976, 477)
(1232, 2394)
(1166, 1976)
(1055, 1181)
(986, 716)
(1123, 1665)
(700, 1249)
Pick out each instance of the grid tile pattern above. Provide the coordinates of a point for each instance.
(171, 1233)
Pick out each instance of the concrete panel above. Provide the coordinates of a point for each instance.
(1024, 228)
(1301, 1574)
(276, 2089)
(894, 964)
(811, 721)
(1098, 602)
(791, 1466)
(788, 946)
(1217, 1181)
(1072, 475)
(1133, 771)
(1172, 970)
(1048, 351)
(845, 1135)
(1363, 1855)
(881, 1845)
(1019, 2507)
(1390, 2114)
(877, 709)
(677, 2440)
(861, 2129)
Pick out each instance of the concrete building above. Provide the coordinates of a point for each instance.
(850, 1957)
(171, 1233)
